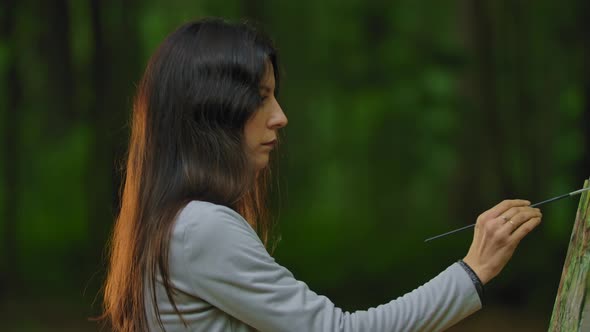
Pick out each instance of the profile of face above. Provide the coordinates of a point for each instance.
(261, 129)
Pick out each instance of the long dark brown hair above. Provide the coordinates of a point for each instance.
(198, 90)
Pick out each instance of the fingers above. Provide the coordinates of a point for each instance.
(525, 228)
(511, 213)
(502, 207)
(522, 215)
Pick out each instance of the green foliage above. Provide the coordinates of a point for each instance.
(406, 119)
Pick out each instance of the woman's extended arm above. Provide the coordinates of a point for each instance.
(229, 267)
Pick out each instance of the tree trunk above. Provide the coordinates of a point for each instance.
(12, 96)
(572, 310)
(115, 62)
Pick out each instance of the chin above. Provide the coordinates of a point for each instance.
(260, 167)
(262, 163)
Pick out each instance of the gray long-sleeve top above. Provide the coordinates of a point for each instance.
(225, 280)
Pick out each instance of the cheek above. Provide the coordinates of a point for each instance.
(250, 135)
(253, 128)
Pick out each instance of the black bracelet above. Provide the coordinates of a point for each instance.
(474, 278)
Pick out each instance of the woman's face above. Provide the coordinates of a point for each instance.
(260, 131)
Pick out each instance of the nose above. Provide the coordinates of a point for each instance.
(278, 119)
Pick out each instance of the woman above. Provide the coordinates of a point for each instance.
(188, 249)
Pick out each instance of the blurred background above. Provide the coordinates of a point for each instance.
(406, 119)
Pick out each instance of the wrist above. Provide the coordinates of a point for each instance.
(478, 270)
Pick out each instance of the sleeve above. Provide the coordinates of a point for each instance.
(229, 267)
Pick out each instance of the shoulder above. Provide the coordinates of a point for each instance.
(202, 213)
(213, 240)
(209, 223)
(202, 208)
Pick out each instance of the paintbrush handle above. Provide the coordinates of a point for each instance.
(534, 205)
(449, 233)
(551, 200)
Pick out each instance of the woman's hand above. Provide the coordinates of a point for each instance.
(497, 234)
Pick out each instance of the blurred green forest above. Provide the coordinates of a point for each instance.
(406, 119)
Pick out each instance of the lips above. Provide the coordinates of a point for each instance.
(273, 142)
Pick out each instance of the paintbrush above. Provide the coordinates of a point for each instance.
(534, 205)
